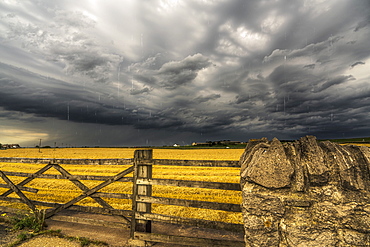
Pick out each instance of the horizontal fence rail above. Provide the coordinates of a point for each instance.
(210, 163)
(68, 161)
(140, 218)
(62, 176)
(166, 162)
(143, 199)
(189, 183)
(75, 179)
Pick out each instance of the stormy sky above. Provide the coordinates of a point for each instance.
(129, 72)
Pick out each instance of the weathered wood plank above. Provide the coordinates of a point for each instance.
(21, 188)
(170, 239)
(142, 169)
(60, 176)
(68, 161)
(112, 195)
(74, 207)
(190, 221)
(98, 210)
(210, 163)
(27, 180)
(12, 210)
(17, 191)
(190, 203)
(188, 183)
(10, 199)
(93, 222)
(40, 203)
(81, 186)
(91, 191)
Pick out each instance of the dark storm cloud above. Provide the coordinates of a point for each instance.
(175, 74)
(365, 22)
(66, 40)
(357, 63)
(309, 66)
(58, 99)
(202, 99)
(225, 68)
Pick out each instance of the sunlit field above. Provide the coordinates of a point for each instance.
(358, 144)
(62, 191)
(122, 153)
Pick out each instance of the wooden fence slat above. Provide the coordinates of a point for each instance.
(142, 169)
(68, 161)
(27, 180)
(12, 211)
(21, 188)
(60, 176)
(190, 221)
(94, 222)
(208, 163)
(81, 186)
(169, 162)
(10, 199)
(188, 183)
(112, 195)
(170, 239)
(90, 192)
(190, 203)
(17, 191)
(99, 210)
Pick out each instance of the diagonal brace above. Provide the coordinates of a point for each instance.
(90, 192)
(17, 191)
(27, 180)
(80, 185)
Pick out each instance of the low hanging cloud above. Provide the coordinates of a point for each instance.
(174, 74)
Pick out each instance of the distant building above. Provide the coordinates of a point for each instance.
(10, 146)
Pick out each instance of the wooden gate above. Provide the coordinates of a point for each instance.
(54, 208)
(140, 218)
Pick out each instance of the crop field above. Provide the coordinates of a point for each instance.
(62, 191)
(358, 144)
(123, 153)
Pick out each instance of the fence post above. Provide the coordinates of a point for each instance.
(143, 160)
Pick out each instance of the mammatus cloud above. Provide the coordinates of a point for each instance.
(189, 70)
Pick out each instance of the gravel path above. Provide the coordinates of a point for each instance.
(6, 236)
(45, 241)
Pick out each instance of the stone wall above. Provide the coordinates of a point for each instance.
(305, 193)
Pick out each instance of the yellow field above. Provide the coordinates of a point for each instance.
(62, 191)
(358, 144)
(122, 153)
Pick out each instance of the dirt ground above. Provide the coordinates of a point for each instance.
(6, 236)
(114, 237)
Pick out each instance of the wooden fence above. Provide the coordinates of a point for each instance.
(140, 218)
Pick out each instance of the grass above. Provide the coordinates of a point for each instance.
(30, 225)
(33, 221)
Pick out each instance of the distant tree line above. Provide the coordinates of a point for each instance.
(217, 143)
